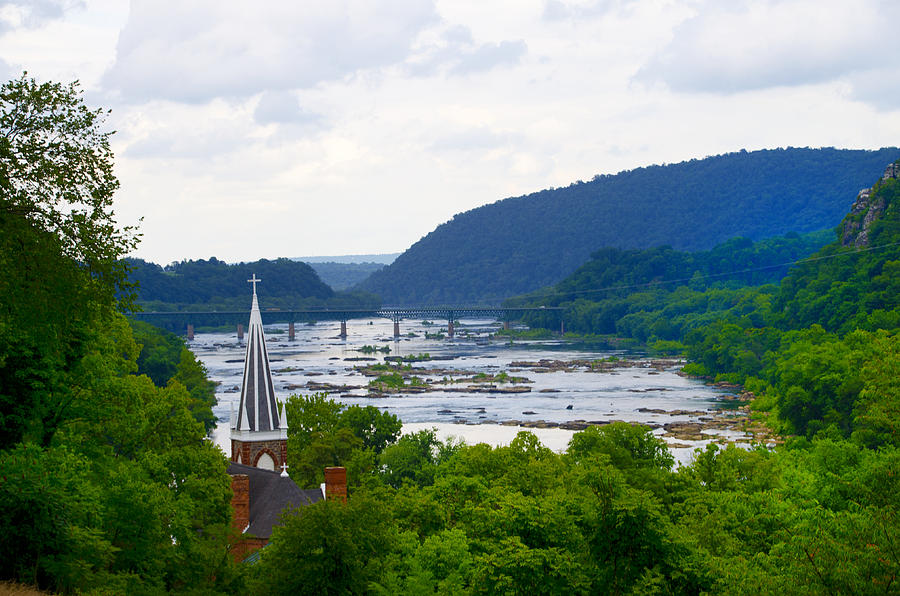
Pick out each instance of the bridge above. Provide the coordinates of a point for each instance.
(394, 313)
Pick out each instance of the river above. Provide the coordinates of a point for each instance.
(637, 392)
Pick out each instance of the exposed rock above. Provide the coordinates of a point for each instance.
(865, 211)
(540, 424)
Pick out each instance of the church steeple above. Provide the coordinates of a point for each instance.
(259, 431)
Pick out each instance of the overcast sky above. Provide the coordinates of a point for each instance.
(357, 126)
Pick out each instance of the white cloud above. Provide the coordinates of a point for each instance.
(453, 50)
(195, 51)
(730, 47)
(351, 127)
(879, 87)
(490, 55)
(558, 10)
(30, 14)
(480, 138)
(282, 107)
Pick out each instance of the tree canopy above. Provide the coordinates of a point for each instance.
(108, 484)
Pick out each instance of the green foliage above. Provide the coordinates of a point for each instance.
(627, 446)
(108, 484)
(376, 428)
(165, 358)
(374, 349)
(56, 173)
(413, 458)
(213, 285)
(329, 548)
(520, 244)
(611, 516)
(819, 349)
(322, 432)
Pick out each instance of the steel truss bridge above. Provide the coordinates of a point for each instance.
(451, 314)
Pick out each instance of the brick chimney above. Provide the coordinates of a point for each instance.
(336, 484)
(240, 502)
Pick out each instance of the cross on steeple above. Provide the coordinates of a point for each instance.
(254, 281)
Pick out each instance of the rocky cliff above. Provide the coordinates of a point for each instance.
(867, 209)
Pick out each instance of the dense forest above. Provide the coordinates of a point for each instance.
(109, 486)
(215, 285)
(808, 345)
(610, 516)
(520, 244)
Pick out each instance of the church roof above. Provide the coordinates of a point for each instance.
(258, 410)
(270, 494)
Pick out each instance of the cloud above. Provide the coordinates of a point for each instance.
(491, 55)
(479, 138)
(31, 14)
(879, 87)
(194, 51)
(6, 71)
(730, 47)
(559, 10)
(282, 107)
(455, 52)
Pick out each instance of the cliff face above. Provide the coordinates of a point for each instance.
(868, 208)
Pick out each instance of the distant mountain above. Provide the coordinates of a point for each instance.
(519, 244)
(341, 276)
(383, 259)
(204, 282)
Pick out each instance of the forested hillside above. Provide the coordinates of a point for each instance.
(215, 284)
(519, 244)
(821, 348)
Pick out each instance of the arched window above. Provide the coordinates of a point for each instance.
(265, 462)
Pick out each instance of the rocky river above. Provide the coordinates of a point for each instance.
(481, 387)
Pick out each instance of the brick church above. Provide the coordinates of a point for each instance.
(259, 452)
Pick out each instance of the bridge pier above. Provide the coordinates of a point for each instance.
(240, 331)
(506, 325)
(450, 328)
(562, 327)
(190, 332)
(291, 332)
(343, 330)
(396, 327)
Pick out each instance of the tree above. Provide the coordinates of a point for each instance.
(377, 429)
(106, 481)
(56, 171)
(327, 548)
(60, 249)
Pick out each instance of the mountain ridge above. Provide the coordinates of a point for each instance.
(518, 244)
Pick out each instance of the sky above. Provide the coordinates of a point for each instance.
(262, 130)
